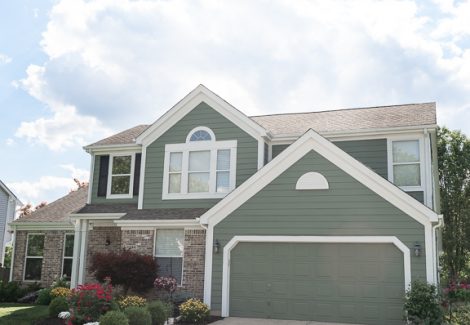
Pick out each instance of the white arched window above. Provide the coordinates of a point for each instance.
(199, 168)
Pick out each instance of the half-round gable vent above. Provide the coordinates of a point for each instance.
(312, 181)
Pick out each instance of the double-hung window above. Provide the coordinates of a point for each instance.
(34, 257)
(406, 164)
(68, 256)
(120, 179)
(169, 249)
(199, 168)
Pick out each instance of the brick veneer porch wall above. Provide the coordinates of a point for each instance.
(193, 261)
(142, 241)
(97, 238)
(52, 258)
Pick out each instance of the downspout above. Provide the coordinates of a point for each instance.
(439, 224)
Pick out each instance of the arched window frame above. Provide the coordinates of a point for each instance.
(200, 128)
(213, 147)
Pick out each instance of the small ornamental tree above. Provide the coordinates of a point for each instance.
(129, 269)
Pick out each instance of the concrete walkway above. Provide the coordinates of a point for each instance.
(258, 321)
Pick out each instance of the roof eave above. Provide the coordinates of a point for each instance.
(112, 147)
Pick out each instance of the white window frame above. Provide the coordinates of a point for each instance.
(182, 254)
(185, 148)
(200, 128)
(63, 253)
(110, 176)
(37, 257)
(390, 164)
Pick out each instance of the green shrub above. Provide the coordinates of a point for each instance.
(194, 311)
(138, 316)
(57, 305)
(10, 291)
(44, 297)
(60, 283)
(422, 304)
(114, 317)
(159, 311)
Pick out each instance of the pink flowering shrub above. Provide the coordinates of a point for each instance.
(167, 284)
(457, 292)
(88, 302)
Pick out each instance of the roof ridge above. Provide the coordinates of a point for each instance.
(342, 109)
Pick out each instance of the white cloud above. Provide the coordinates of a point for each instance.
(10, 142)
(49, 188)
(127, 62)
(4, 59)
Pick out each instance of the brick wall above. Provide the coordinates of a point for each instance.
(140, 241)
(193, 261)
(97, 238)
(52, 256)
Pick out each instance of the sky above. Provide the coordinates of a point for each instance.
(74, 71)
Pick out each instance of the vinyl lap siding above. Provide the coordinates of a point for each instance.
(3, 219)
(347, 208)
(202, 115)
(94, 190)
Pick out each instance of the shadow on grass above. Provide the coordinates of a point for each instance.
(22, 314)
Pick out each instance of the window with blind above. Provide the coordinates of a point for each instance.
(68, 256)
(199, 168)
(34, 257)
(169, 249)
(406, 164)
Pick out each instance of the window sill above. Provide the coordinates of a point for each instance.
(119, 196)
(412, 188)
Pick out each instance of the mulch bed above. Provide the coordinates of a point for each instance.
(212, 319)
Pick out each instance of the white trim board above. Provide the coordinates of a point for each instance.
(188, 103)
(307, 239)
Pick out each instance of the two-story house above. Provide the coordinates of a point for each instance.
(9, 204)
(323, 216)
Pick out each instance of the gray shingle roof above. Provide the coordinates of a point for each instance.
(350, 119)
(59, 210)
(354, 119)
(132, 213)
(125, 137)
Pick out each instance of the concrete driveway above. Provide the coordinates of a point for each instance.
(258, 321)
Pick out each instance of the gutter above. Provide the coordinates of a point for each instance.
(439, 224)
(12, 262)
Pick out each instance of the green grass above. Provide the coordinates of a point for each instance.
(21, 314)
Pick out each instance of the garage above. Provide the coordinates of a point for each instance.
(336, 282)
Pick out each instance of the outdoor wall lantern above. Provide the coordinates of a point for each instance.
(108, 241)
(216, 246)
(417, 249)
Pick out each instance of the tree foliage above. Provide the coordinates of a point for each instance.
(453, 149)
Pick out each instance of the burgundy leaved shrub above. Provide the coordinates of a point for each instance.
(129, 269)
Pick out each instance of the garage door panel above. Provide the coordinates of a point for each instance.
(356, 283)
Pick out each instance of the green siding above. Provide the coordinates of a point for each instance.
(102, 199)
(347, 208)
(372, 153)
(277, 149)
(202, 115)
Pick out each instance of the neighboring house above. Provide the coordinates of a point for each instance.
(9, 204)
(322, 216)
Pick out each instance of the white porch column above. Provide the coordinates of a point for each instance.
(76, 254)
(83, 251)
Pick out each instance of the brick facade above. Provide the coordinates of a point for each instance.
(193, 261)
(106, 239)
(100, 240)
(52, 256)
(140, 241)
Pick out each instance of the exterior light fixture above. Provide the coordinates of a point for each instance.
(108, 241)
(216, 246)
(417, 249)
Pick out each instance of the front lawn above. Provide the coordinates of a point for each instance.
(21, 314)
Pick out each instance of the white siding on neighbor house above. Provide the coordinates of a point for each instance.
(4, 201)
